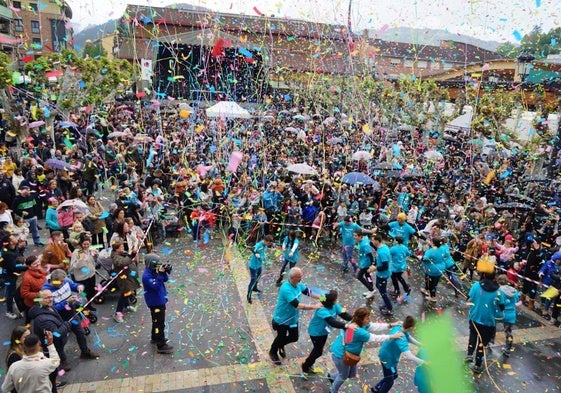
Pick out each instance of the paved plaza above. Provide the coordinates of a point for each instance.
(221, 341)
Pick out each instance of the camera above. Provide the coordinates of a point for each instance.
(166, 266)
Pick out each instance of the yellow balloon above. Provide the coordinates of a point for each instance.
(184, 113)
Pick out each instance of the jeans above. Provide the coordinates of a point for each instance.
(390, 375)
(32, 222)
(348, 257)
(341, 374)
(317, 350)
(76, 328)
(285, 262)
(381, 285)
(122, 303)
(158, 314)
(255, 275)
(10, 285)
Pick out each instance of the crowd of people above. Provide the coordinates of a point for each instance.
(432, 196)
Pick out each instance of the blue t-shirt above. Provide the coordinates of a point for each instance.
(318, 326)
(288, 245)
(364, 251)
(261, 249)
(485, 304)
(360, 337)
(434, 262)
(405, 231)
(399, 254)
(348, 232)
(383, 255)
(391, 350)
(285, 313)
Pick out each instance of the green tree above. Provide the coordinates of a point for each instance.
(509, 50)
(93, 50)
(541, 44)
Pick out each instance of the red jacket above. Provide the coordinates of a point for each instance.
(31, 284)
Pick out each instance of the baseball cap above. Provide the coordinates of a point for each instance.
(509, 237)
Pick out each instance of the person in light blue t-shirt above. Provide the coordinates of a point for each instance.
(290, 246)
(383, 273)
(347, 228)
(390, 353)
(358, 333)
(399, 253)
(255, 264)
(287, 311)
(320, 325)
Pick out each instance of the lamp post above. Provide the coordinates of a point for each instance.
(524, 65)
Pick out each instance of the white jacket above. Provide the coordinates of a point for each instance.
(31, 373)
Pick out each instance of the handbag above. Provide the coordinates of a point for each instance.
(350, 359)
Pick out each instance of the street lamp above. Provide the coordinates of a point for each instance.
(524, 65)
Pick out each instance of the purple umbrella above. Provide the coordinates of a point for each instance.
(36, 124)
(66, 124)
(55, 163)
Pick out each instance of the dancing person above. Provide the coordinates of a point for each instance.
(382, 268)
(324, 318)
(290, 248)
(433, 263)
(255, 264)
(362, 331)
(287, 312)
(365, 261)
(390, 353)
(398, 265)
(127, 279)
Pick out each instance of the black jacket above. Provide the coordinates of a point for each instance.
(48, 319)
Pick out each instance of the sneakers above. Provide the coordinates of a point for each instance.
(425, 292)
(385, 311)
(165, 349)
(275, 358)
(132, 308)
(468, 359)
(307, 370)
(60, 384)
(282, 353)
(118, 318)
(89, 355)
(12, 315)
(369, 295)
(432, 299)
(330, 379)
(256, 290)
(477, 369)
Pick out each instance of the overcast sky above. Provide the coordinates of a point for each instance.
(498, 20)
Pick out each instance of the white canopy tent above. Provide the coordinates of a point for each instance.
(227, 109)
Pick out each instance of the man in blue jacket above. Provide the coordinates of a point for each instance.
(156, 297)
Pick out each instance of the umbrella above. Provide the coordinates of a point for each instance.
(330, 120)
(433, 155)
(361, 155)
(36, 124)
(302, 169)
(383, 166)
(142, 138)
(334, 141)
(116, 134)
(514, 205)
(75, 204)
(55, 163)
(291, 129)
(227, 109)
(357, 177)
(66, 124)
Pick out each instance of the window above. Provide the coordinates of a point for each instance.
(33, 7)
(16, 4)
(35, 29)
(435, 65)
(36, 44)
(395, 61)
(18, 25)
(447, 66)
(409, 63)
(421, 64)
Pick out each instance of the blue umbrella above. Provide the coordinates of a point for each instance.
(66, 124)
(357, 177)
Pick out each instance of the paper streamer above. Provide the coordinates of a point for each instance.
(235, 159)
